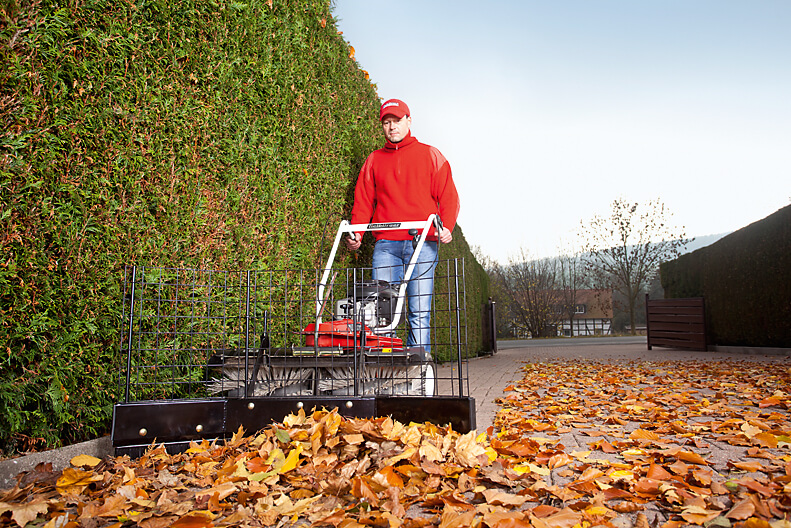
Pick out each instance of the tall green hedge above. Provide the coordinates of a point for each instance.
(476, 290)
(745, 279)
(187, 133)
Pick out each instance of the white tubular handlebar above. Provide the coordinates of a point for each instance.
(423, 227)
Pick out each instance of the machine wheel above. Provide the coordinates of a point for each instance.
(429, 378)
(426, 385)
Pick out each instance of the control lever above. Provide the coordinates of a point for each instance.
(438, 225)
(415, 238)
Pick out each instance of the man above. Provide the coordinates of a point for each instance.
(405, 181)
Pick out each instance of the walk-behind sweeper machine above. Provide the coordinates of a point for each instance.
(205, 352)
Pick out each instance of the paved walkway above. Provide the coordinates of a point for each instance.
(489, 375)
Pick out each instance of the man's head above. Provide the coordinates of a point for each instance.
(395, 119)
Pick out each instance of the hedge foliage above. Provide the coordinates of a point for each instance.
(189, 133)
(745, 280)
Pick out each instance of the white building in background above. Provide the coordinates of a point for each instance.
(593, 314)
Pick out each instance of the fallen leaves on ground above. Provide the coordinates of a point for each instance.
(690, 442)
(576, 444)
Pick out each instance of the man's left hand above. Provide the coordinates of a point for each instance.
(445, 236)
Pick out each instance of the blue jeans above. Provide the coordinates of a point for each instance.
(390, 261)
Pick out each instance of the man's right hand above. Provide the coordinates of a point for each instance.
(353, 241)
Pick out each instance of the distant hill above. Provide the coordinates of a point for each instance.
(702, 241)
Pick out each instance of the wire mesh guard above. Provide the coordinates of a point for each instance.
(196, 334)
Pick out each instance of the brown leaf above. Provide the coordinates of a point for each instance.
(741, 510)
(626, 507)
(506, 520)
(647, 487)
(641, 521)
(25, 512)
(469, 452)
(756, 486)
(565, 518)
(113, 506)
(750, 467)
(335, 518)
(699, 515)
(544, 510)
(501, 498)
(452, 518)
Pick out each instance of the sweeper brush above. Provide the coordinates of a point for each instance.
(205, 351)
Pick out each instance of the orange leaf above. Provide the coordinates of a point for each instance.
(657, 472)
(642, 434)
(750, 467)
(506, 520)
(741, 510)
(74, 481)
(755, 522)
(617, 493)
(606, 446)
(769, 402)
(559, 460)
(626, 507)
(693, 458)
(362, 490)
(544, 510)
(193, 520)
(389, 478)
(647, 486)
(641, 521)
(766, 440)
(351, 52)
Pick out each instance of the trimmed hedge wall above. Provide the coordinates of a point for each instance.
(745, 278)
(185, 133)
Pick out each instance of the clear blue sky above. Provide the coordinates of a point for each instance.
(548, 111)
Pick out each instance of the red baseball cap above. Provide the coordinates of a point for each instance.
(394, 107)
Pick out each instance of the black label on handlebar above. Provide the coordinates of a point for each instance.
(384, 226)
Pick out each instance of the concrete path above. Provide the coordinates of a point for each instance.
(489, 375)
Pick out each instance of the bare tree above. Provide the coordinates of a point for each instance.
(571, 279)
(623, 251)
(529, 288)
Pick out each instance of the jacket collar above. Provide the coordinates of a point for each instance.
(408, 140)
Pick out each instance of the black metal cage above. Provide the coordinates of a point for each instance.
(205, 352)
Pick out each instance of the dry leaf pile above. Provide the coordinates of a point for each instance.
(576, 444)
(685, 443)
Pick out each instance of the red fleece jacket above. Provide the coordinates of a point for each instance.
(402, 182)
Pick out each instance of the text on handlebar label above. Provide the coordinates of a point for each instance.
(384, 226)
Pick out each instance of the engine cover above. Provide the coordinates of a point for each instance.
(374, 304)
